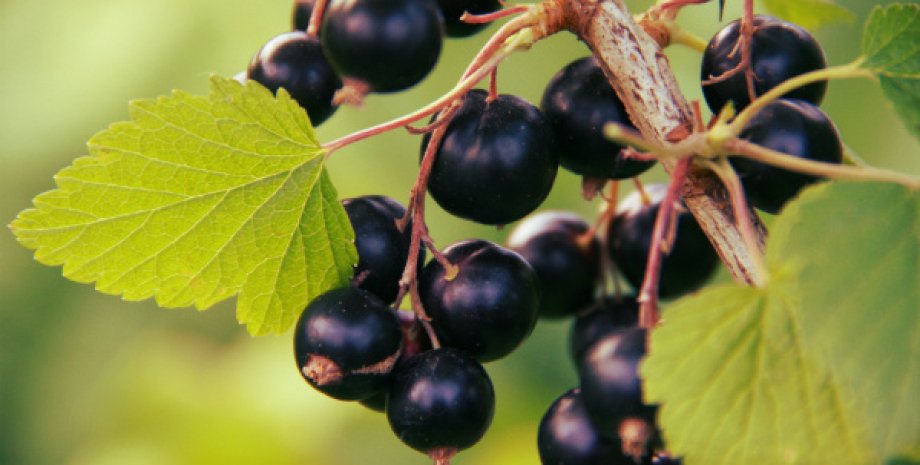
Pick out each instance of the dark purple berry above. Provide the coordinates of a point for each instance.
(497, 161)
(489, 308)
(779, 51)
(579, 101)
(382, 248)
(346, 343)
(296, 62)
(440, 402)
(794, 127)
(566, 435)
(388, 44)
(300, 17)
(613, 314)
(688, 266)
(566, 258)
(453, 9)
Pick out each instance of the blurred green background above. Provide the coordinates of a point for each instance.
(89, 379)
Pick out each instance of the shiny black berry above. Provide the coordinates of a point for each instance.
(489, 308)
(388, 44)
(612, 391)
(346, 343)
(566, 257)
(453, 9)
(612, 315)
(497, 161)
(414, 341)
(579, 101)
(688, 266)
(296, 62)
(382, 247)
(440, 402)
(566, 435)
(794, 127)
(779, 51)
(300, 17)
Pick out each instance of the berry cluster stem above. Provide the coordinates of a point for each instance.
(316, 18)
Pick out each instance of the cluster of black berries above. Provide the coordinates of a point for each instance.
(364, 45)
(793, 124)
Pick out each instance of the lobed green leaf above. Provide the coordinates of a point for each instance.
(822, 365)
(197, 199)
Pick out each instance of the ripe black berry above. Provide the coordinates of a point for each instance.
(566, 258)
(613, 314)
(300, 17)
(440, 402)
(414, 342)
(566, 435)
(388, 44)
(688, 266)
(497, 161)
(794, 127)
(779, 51)
(489, 308)
(579, 101)
(453, 9)
(296, 62)
(346, 343)
(612, 392)
(382, 248)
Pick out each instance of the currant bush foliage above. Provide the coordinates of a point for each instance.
(821, 365)
(197, 199)
(891, 46)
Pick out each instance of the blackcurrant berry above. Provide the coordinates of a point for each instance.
(566, 258)
(440, 402)
(497, 161)
(612, 391)
(300, 17)
(579, 101)
(414, 342)
(663, 459)
(566, 435)
(296, 62)
(613, 314)
(794, 127)
(779, 51)
(346, 343)
(489, 308)
(688, 266)
(388, 44)
(453, 9)
(382, 248)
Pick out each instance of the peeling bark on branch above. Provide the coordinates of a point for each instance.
(641, 75)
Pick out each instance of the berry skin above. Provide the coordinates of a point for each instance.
(566, 435)
(296, 62)
(497, 161)
(686, 268)
(566, 261)
(300, 17)
(578, 101)
(612, 392)
(388, 44)
(382, 248)
(346, 343)
(453, 9)
(440, 402)
(779, 51)
(414, 342)
(489, 308)
(610, 316)
(794, 127)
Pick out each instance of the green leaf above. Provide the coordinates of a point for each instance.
(891, 48)
(820, 366)
(809, 13)
(197, 199)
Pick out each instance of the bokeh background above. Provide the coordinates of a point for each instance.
(89, 379)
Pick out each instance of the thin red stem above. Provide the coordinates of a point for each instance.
(316, 18)
(648, 296)
(496, 42)
(493, 85)
(468, 18)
